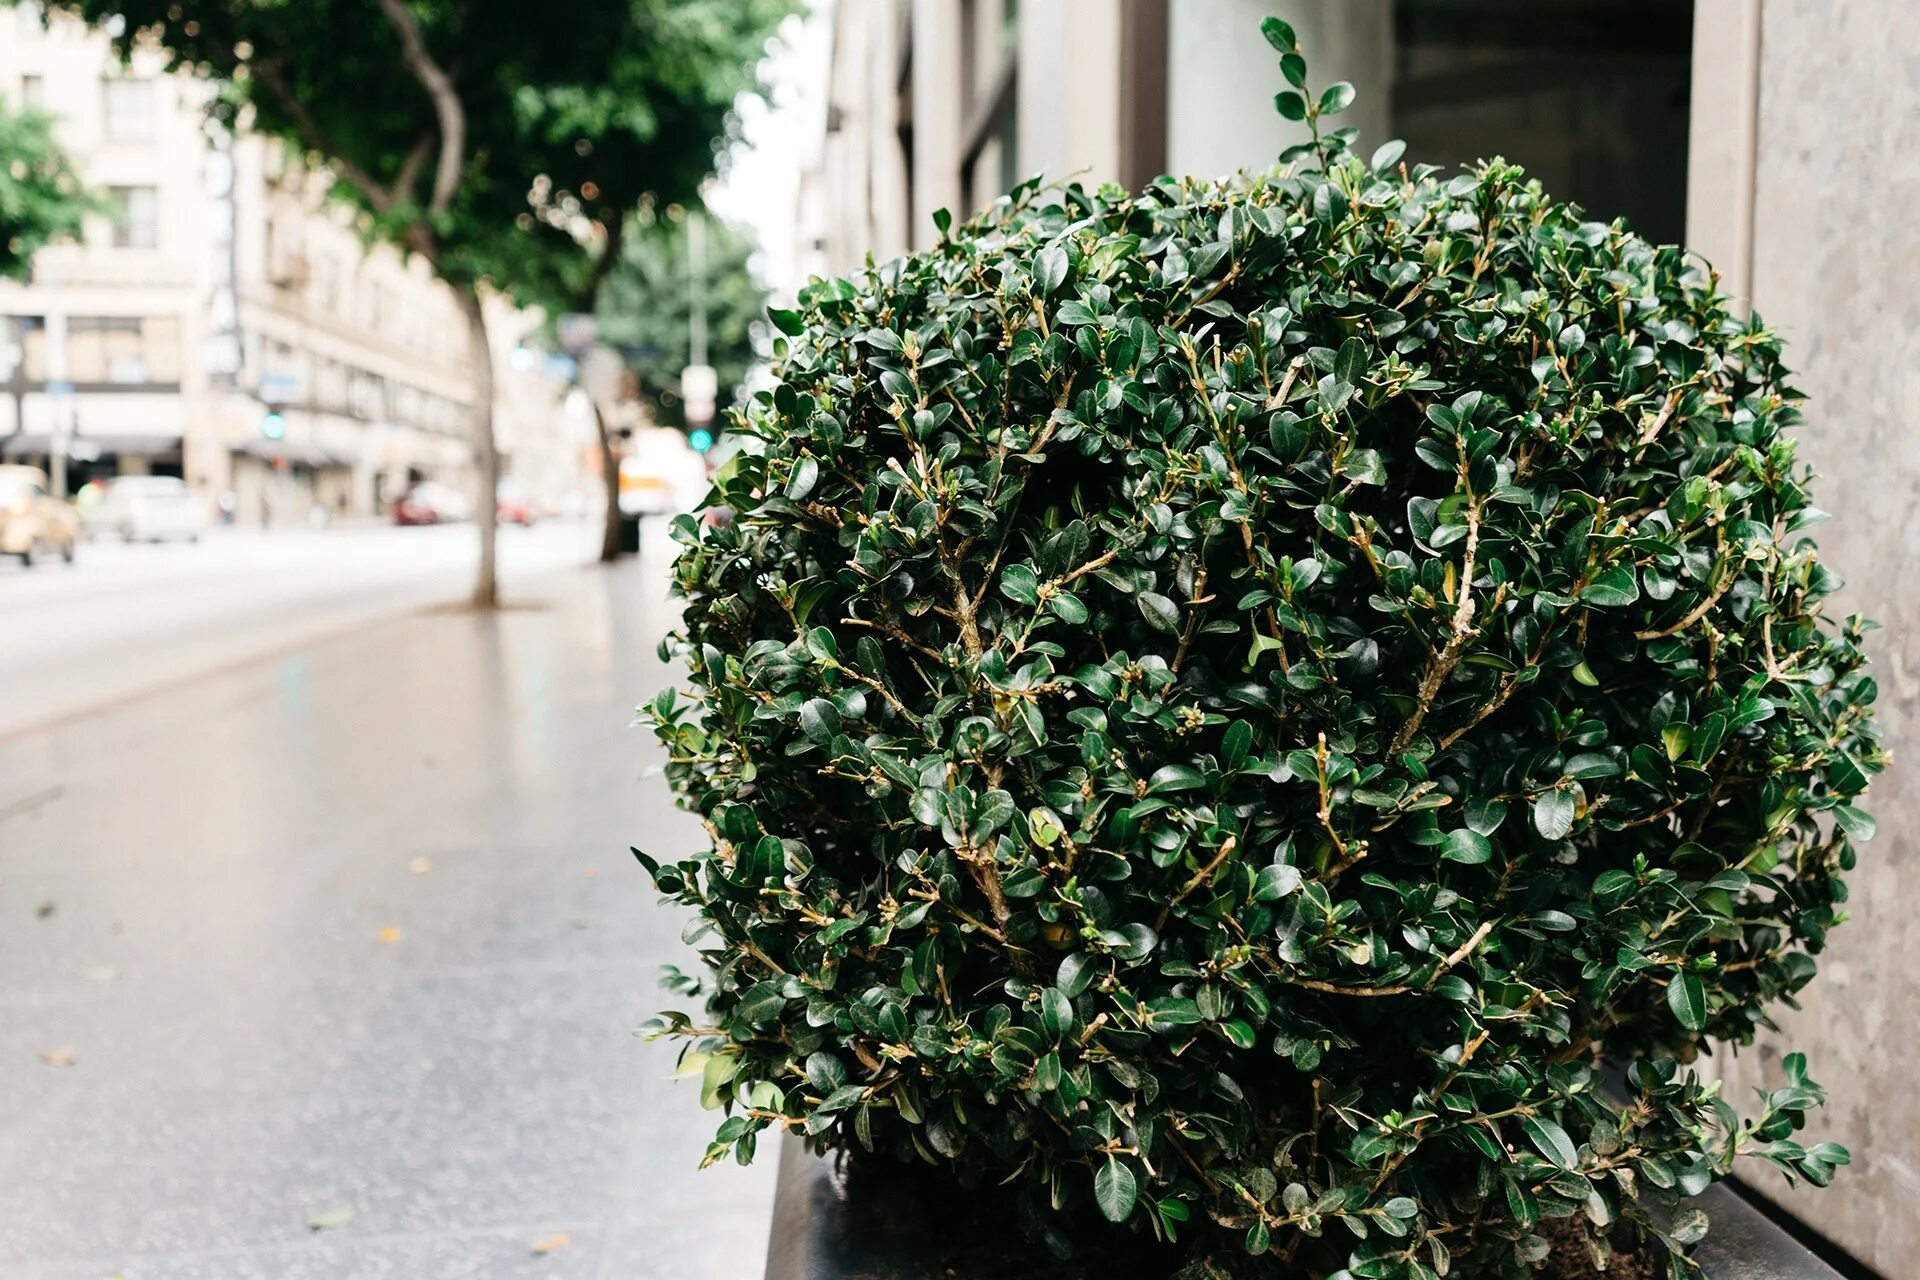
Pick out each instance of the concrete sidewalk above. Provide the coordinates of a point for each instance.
(350, 936)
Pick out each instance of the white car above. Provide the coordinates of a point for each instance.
(147, 509)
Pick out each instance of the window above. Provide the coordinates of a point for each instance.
(326, 283)
(373, 303)
(120, 350)
(1591, 98)
(123, 350)
(129, 114)
(33, 93)
(136, 219)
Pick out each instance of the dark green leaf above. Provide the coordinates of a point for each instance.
(1161, 612)
(1114, 1191)
(1688, 1001)
(1553, 813)
(1337, 98)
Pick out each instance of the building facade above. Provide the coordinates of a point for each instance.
(225, 322)
(946, 103)
(1778, 138)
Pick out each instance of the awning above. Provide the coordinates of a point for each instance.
(300, 454)
(86, 445)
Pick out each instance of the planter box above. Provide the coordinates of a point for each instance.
(820, 1232)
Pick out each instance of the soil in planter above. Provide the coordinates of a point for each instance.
(1571, 1262)
(903, 1223)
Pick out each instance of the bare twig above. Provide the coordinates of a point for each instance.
(1462, 630)
(1200, 877)
(269, 73)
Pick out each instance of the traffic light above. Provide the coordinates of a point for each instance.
(701, 439)
(273, 426)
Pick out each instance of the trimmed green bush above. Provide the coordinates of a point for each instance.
(1224, 707)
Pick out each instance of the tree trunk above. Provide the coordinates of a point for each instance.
(610, 476)
(486, 511)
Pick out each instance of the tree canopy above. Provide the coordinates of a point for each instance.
(645, 309)
(40, 197)
(464, 129)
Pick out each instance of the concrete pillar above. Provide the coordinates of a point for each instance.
(1722, 140)
(1804, 176)
(1222, 75)
(939, 94)
(1069, 91)
(886, 177)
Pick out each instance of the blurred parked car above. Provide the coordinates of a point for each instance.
(661, 475)
(514, 505)
(32, 521)
(431, 502)
(147, 509)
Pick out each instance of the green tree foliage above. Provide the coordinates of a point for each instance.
(443, 122)
(635, 130)
(40, 198)
(638, 127)
(645, 308)
(1224, 707)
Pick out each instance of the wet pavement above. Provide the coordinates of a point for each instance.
(349, 936)
(125, 620)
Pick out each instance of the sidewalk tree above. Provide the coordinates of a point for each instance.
(646, 307)
(399, 99)
(432, 116)
(636, 133)
(40, 197)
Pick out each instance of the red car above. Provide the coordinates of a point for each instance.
(513, 506)
(431, 503)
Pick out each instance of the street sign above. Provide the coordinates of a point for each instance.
(59, 387)
(279, 388)
(699, 384)
(577, 331)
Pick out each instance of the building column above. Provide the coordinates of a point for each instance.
(1069, 96)
(1723, 139)
(939, 95)
(1222, 75)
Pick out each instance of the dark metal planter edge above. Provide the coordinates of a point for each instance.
(814, 1223)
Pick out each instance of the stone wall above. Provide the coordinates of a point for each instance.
(1804, 189)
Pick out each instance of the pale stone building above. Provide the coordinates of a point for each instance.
(946, 103)
(1780, 138)
(225, 322)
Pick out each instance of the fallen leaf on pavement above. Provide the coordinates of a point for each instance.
(558, 1240)
(390, 933)
(330, 1219)
(46, 909)
(59, 1057)
(420, 866)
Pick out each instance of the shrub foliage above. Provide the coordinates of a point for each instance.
(1228, 705)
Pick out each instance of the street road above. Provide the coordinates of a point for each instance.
(125, 619)
(320, 961)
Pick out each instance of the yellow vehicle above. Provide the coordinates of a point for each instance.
(32, 521)
(660, 476)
